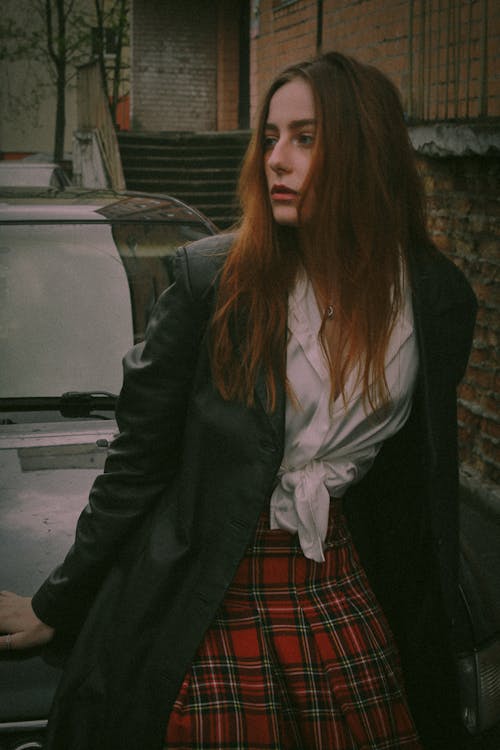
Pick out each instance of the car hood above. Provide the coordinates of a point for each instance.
(46, 471)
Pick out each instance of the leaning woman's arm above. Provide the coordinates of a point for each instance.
(143, 458)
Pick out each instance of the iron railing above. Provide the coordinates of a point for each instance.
(94, 115)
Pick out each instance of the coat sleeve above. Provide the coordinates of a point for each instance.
(143, 458)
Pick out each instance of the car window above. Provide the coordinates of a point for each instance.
(65, 313)
(147, 251)
(74, 298)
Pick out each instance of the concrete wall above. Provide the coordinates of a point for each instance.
(27, 95)
(27, 90)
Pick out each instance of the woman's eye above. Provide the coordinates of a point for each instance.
(306, 139)
(269, 141)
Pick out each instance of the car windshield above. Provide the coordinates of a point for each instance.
(74, 298)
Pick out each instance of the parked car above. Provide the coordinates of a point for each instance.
(79, 275)
(24, 173)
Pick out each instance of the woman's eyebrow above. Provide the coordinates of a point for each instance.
(294, 125)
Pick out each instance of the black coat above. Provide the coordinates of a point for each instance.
(184, 483)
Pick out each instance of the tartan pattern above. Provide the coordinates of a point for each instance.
(299, 657)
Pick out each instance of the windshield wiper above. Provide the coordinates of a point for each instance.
(70, 404)
(83, 403)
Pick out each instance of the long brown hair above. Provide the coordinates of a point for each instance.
(365, 216)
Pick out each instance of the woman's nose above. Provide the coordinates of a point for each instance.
(279, 158)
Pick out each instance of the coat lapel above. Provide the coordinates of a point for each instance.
(422, 313)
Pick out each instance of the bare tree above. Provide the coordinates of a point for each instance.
(60, 41)
(111, 17)
(57, 47)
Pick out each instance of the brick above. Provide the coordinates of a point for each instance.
(174, 66)
(489, 247)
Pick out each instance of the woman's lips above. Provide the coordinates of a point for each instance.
(282, 193)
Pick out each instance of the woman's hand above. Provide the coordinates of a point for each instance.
(20, 626)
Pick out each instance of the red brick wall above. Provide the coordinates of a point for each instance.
(227, 64)
(439, 54)
(444, 57)
(375, 31)
(174, 65)
(464, 219)
(280, 38)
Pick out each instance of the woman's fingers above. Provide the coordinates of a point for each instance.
(6, 642)
(19, 626)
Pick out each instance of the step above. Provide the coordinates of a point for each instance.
(188, 196)
(184, 184)
(182, 162)
(207, 176)
(182, 158)
(177, 148)
(181, 148)
(238, 137)
(208, 155)
(201, 169)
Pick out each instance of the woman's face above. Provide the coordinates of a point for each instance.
(288, 142)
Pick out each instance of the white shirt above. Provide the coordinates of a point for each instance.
(329, 447)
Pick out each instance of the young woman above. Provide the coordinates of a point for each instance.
(296, 391)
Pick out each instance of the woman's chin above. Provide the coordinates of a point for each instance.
(286, 215)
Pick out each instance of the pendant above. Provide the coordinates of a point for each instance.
(329, 312)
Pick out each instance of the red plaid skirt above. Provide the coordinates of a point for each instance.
(299, 657)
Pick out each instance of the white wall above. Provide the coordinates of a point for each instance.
(27, 95)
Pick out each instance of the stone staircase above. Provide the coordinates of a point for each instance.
(200, 169)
